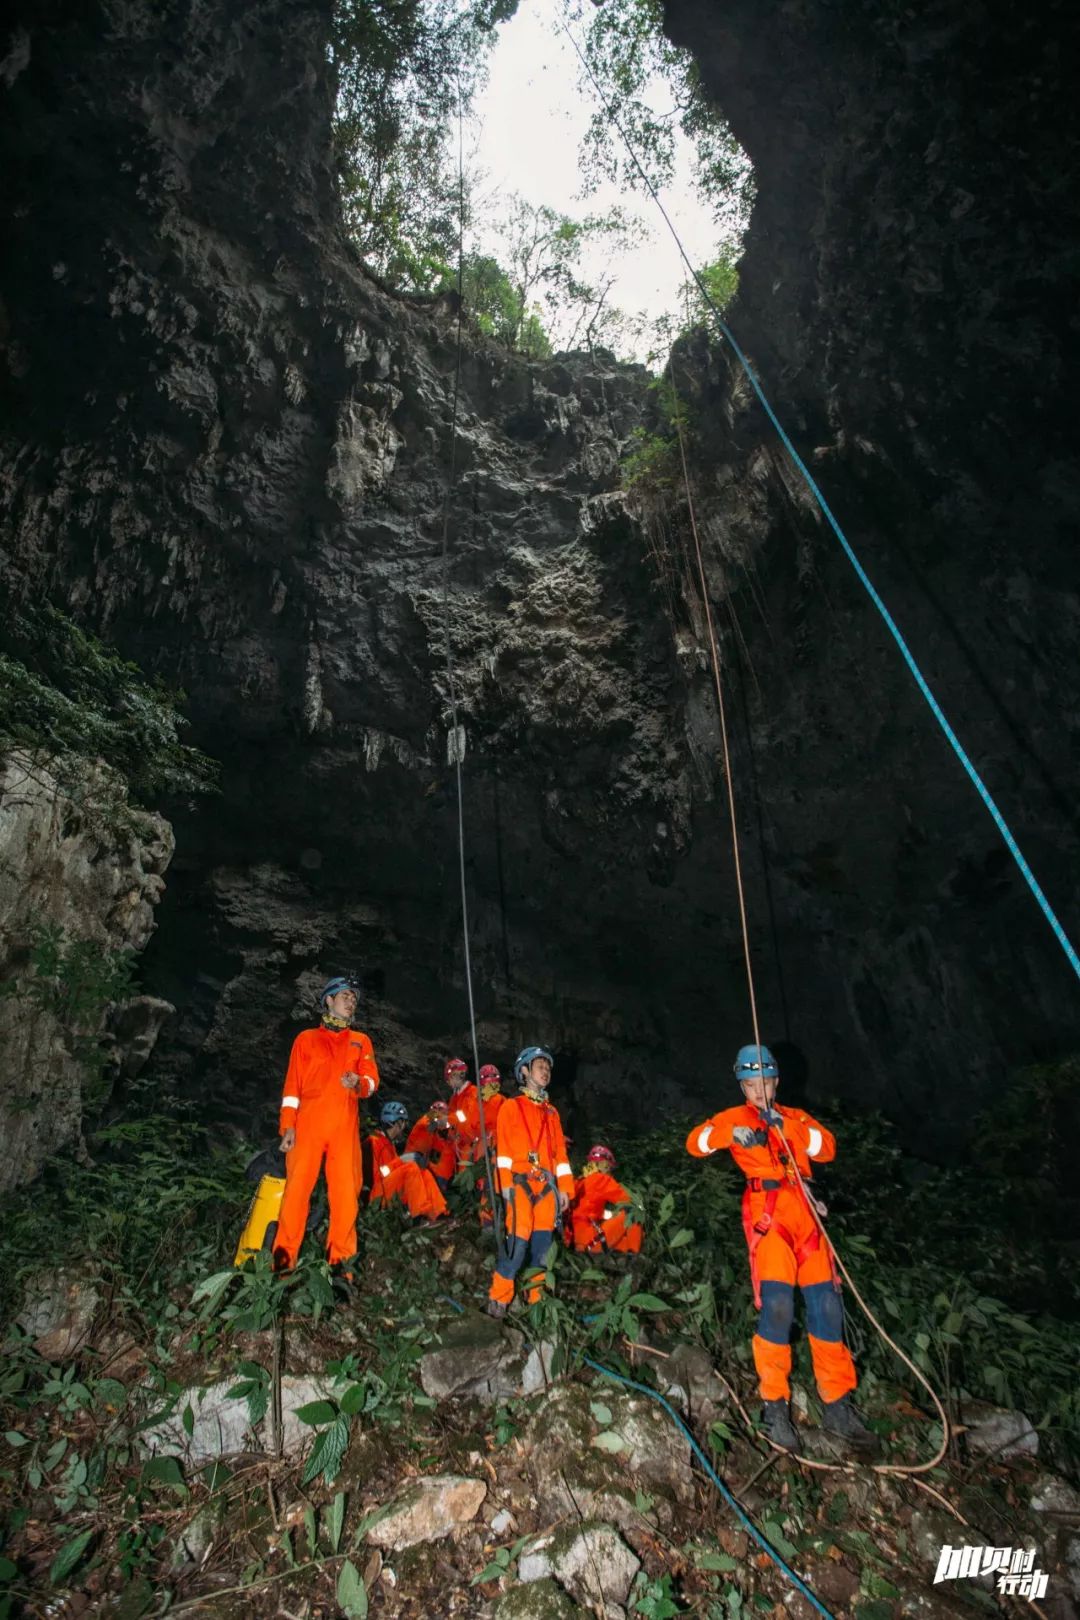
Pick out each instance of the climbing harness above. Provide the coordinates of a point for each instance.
(864, 579)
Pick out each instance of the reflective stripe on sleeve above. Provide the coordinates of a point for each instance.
(384, 1169)
(290, 1102)
(562, 1170)
(703, 1140)
(458, 1114)
(504, 1164)
(814, 1147)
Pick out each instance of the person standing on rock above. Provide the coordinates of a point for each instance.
(462, 1106)
(532, 1174)
(598, 1220)
(786, 1247)
(330, 1069)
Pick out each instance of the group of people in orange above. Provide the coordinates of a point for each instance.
(519, 1140)
(332, 1069)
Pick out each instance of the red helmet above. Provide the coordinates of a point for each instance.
(597, 1155)
(439, 1107)
(490, 1076)
(453, 1067)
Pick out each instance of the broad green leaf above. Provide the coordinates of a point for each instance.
(608, 1440)
(335, 1520)
(353, 1399)
(68, 1556)
(164, 1471)
(8, 1570)
(189, 1420)
(711, 1560)
(14, 1438)
(327, 1453)
(240, 1390)
(681, 1238)
(601, 1413)
(648, 1302)
(774, 1533)
(490, 1572)
(317, 1412)
(351, 1592)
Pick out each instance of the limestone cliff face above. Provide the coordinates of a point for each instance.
(228, 452)
(68, 863)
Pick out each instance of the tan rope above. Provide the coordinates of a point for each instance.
(879, 1468)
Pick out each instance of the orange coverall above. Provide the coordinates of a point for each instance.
(464, 1121)
(392, 1176)
(492, 1106)
(436, 1147)
(530, 1164)
(785, 1247)
(594, 1224)
(324, 1114)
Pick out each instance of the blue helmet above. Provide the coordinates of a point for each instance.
(393, 1113)
(525, 1057)
(756, 1063)
(334, 987)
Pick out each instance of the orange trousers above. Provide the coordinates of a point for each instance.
(317, 1138)
(417, 1189)
(620, 1236)
(530, 1229)
(792, 1253)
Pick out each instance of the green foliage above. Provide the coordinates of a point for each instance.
(158, 1204)
(625, 47)
(77, 980)
(403, 67)
(67, 696)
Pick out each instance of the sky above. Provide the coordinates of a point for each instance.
(525, 137)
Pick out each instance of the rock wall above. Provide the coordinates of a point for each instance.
(67, 862)
(228, 452)
(907, 297)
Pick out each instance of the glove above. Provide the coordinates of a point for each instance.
(770, 1116)
(744, 1136)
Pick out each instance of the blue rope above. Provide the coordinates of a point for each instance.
(747, 1524)
(894, 630)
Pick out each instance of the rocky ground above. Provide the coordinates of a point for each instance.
(256, 1451)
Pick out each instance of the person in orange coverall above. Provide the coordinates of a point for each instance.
(785, 1247)
(533, 1176)
(429, 1144)
(330, 1068)
(463, 1108)
(492, 1099)
(391, 1177)
(598, 1220)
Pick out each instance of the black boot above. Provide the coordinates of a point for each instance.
(496, 1308)
(841, 1418)
(779, 1427)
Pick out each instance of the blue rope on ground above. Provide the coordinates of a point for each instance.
(864, 579)
(747, 1524)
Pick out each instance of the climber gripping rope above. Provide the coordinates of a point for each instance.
(532, 1175)
(785, 1246)
(330, 1068)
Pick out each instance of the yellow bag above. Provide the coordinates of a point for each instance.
(264, 1211)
